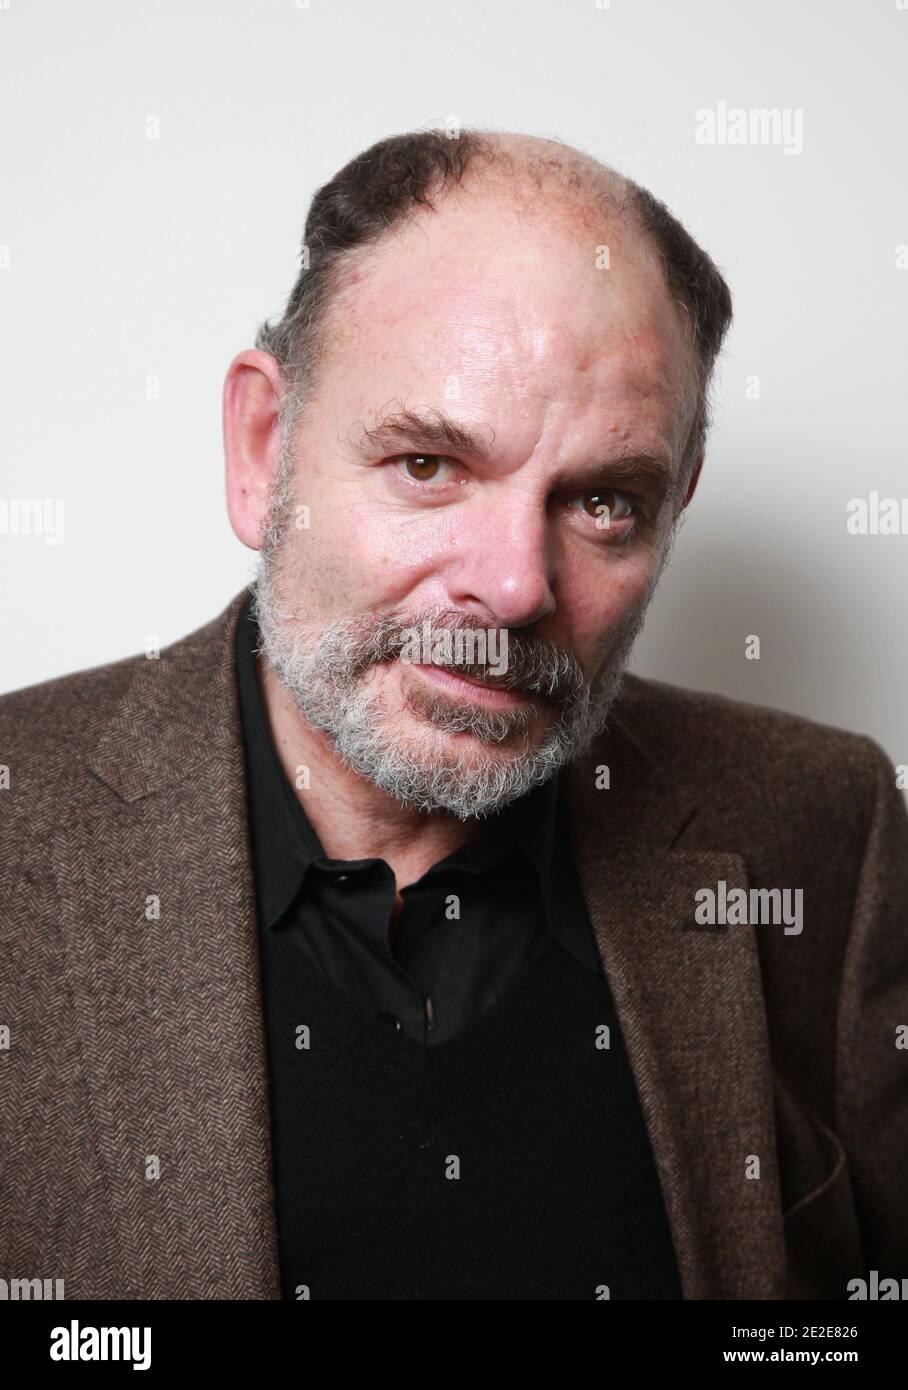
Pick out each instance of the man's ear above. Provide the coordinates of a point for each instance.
(694, 479)
(253, 389)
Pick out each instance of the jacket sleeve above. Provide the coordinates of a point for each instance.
(872, 1031)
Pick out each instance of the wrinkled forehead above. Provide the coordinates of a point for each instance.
(504, 299)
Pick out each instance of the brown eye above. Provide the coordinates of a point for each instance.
(605, 508)
(422, 468)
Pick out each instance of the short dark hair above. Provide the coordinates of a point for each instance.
(399, 175)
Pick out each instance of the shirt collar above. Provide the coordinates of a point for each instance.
(285, 843)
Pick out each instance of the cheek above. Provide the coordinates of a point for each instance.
(599, 595)
(314, 573)
(401, 547)
(599, 603)
(357, 557)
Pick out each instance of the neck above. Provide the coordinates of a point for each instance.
(353, 818)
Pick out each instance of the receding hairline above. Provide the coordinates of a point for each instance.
(541, 159)
(515, 167)
(384, 188)
(578, 187)
(511, 166)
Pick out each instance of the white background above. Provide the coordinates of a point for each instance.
(130, 257)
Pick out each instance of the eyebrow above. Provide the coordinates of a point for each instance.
(433, 428)
(426, 430)
(644, 469)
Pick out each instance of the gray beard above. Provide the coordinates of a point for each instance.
(327, 677)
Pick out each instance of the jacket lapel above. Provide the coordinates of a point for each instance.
(158, 916)
(690, 1005)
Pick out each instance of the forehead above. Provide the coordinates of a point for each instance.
(513, 306)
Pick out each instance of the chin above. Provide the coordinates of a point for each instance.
(425, 743)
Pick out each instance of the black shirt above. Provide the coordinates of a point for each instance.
(468, 926)
(510, 1161)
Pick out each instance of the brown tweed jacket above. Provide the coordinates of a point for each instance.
(134, 1038)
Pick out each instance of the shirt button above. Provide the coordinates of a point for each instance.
(391, 1019)
(342, 878)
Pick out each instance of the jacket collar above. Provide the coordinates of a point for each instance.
(169, 1005)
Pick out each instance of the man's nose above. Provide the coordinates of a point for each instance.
(504, 563)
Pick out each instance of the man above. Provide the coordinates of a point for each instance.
(381, 939)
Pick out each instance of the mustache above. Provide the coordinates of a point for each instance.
(535, 665)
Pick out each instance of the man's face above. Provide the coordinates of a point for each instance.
(537, 499)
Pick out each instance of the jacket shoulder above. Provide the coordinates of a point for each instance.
(736, 744)
(47, 726)
(62, 706)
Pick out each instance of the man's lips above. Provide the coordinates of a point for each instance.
(491, 691)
